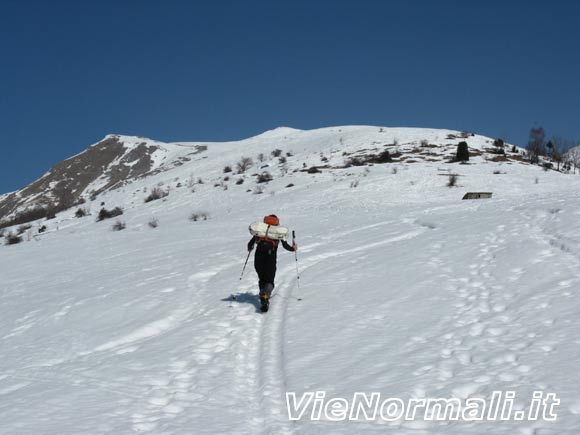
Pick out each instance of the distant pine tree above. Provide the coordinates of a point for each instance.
(462, 152)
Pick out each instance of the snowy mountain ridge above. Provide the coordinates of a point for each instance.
(117, 159)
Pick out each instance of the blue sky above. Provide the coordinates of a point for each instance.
(73, 71)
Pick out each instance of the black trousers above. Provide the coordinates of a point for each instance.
(265, 265)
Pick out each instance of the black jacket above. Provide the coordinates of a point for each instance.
(265, 247)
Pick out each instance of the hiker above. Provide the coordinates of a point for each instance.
(265, 260)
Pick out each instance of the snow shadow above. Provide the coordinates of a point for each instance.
(245, 298)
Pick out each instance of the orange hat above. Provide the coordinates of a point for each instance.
(271, 219)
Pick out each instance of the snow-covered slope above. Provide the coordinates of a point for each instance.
(406, 290)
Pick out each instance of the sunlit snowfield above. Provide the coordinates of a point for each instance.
(406, 290)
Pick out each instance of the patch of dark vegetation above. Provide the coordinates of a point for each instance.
(118, 226)
(156, 193)
(32, 214)
(12, 239)
(452, 181)
(199, 216)
(108, 214)
(264, 177)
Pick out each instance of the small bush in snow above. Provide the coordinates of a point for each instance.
(452, 181)
(383, 157)
(354, 161)
(289, 154)
(394, 170)
(244, 164)
(276, 153)
(118, 226)
(240, 181)
(261, 157)
(156, 193)
(354, 184)
(313, 170)
(23, 228)
(81, 212)
(107, 214)
(153, 223)
(199, 216)
(227, 169)
(282, 160)
(264, 177)
(258, 190)
(12, 239)
(290, 185)
(42, 229)
(424, 143)
(226, 178)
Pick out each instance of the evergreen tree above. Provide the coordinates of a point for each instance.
(462, 152)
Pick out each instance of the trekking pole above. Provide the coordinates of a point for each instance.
(246, 263)
(296, 258)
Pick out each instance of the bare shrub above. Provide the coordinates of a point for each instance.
(282, 160)
(118, 226)
(354, 184)
(258, 190)
(276, 153)
(354, 161)
(240, 181)
(12, 239)
(199, 216)
(108, 214)
(81, 212)
(424, 143)
(383, 157)
(452, 181)
(244, 164)
(156, 193)
(264, 177)
(153, 223)
(23, 228)
(227, 169)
